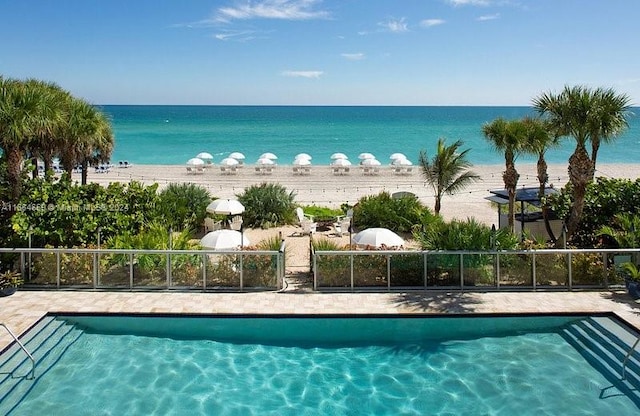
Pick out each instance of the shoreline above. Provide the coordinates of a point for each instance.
(322, 187)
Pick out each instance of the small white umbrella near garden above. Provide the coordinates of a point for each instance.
(341, 162)
(205, 156)
(224, 240)
(377, 237)
(225, 207)
(229, 161)
(338, 156)
(268, 155)
(194, 161)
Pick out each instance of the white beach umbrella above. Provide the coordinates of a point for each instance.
(338, 156)
(228, 161)
(341, 162)
(236, 156)
(224, 240)
(265, 161)
(268, 155)
(225, 207)
(365, 156)
(401, 162)
(194, 161)
(301, 162)
(303, 156)
(205, 156)
(377, 237)
(370, 162)
(395, 156)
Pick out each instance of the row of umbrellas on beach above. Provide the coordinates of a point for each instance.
(301, 159)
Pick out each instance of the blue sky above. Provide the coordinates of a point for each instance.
(322, 52)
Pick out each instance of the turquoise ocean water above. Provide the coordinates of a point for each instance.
(173, 134)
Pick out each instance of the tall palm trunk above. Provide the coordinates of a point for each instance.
(543, 178)
(510, 178)
(595, 146)
(580, 170)
(85, 167)
(14, 171)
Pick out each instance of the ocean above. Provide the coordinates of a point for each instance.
(171, 135)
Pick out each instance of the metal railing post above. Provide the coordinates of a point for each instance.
(461, 266)
(204, 272)
(95, 270)
(130, 271)
(168, 270)
(569, 257)
(315, 271)
(241, 270)
(533, 270)
(424, 259)
(58, 269)
(497, 271)
(388, 272)
(351, 256)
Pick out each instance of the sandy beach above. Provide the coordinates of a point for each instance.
(321, 187)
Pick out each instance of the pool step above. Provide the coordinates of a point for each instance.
(604, 343)
(46, 342)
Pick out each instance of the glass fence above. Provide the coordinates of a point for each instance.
(147, 269)
(563, 269)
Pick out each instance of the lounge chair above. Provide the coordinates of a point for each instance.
(307, 170)
(189, 170)
(306, 222)
(235, 223)
(296, 170)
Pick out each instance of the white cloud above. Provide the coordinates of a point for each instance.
(395, 25)
(302, 74)
(353, 56)
(469, 2)
(431, 22)
(238, 36)
(273, 9)
(488, 17)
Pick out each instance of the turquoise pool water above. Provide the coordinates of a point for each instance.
(315, 366)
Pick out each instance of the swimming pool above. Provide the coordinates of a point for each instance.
(142, 365)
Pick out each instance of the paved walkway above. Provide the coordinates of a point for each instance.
(22, 309)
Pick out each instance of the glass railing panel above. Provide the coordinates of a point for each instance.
(223, 271)
(515, 270)
(551, 270)
(588, 269)
(333, 270)
(114, 271)
(76, 269)
(370, 270)
(407, 270)
(149, 270)
(260, 271)
(443, 270)
(186, 271)
(478, 270)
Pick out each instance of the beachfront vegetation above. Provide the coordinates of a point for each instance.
(447, 172)
(182, 206)
(464, 235)
(588, 116)
(267, 205)
(40, 120)
(396, 214)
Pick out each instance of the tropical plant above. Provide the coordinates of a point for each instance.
(447, 172)
(182, 206)
(586, 115)
(267, 205)
(464, 235)
(508, 137)
(320, 213)
(10, 278)
(396, 214)
(625, 231)
(631, 270)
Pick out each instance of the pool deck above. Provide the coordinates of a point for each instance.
(24, 308)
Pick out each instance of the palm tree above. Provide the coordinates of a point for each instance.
(537, 140)
(447, 172)
(507, 136)
(586, 115)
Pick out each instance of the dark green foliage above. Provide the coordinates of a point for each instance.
(183, 206)
(61, 214)
(605, 198)
(464, 235)
(267, 205)
(322, 213)
(396, 214)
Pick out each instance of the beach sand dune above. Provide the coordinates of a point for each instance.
(321, 187)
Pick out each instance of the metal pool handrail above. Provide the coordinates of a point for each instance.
(31, 374)
(626, 357)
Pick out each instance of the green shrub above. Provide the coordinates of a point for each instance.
(464, 235)
(267, 205)
(182, 206)
(322, 213)
(396, 214)
(324, 244)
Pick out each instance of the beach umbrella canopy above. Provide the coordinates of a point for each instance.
(338, 156)
(265, 161)
(401, 162)
(225, 207)
(268, 155)
(396, 156)
(303, 156)
(228, 161)
(370, 162)
(236, 156)
(204, 156)
(341, 162)
(302, 162)
(224, 240)
(377, 237)
(365, 156)
(194, 161)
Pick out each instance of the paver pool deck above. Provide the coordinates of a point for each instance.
(24, 308)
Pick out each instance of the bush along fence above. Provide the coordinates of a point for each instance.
(205, 270)
(563, 269)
